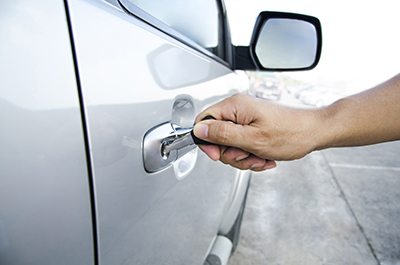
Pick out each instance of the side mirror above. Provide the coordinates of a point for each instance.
(282, 42)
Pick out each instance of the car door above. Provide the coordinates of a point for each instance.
(137, 76)
(45, 202)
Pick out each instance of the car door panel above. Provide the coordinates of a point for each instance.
(143, 218)
(45, 207)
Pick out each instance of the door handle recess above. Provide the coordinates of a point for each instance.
(164, 144)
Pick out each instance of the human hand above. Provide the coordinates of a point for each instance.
(259, 132)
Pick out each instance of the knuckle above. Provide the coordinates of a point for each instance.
(238, 96)
(222, 133)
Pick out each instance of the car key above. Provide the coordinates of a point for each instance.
(183, 138)
(197, 140)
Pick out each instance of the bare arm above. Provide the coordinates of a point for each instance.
(263, 131)
(370, 117)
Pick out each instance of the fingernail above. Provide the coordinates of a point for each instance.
(241, 157)
(269, 166)
(256, 165)
(201, 130)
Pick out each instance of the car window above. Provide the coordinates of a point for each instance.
(197, 20)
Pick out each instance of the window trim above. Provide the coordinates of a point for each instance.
(135, 11)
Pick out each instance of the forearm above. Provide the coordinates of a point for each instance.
(366, 118)
(261, 131)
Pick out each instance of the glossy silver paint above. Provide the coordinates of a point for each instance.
(45, 211)
(169, 217)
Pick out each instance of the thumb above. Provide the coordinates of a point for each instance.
(219, 132)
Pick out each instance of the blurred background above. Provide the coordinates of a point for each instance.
(340, 205)
(361, 48)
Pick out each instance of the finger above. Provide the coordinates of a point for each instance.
(255, 164)
(232, 154)
(270, 164)
(223, 133)
(243, 160)
(212, 151)
(249, 162)
(237, 158)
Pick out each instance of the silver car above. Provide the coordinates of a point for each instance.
(89, 91)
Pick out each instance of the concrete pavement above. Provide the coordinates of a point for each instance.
(337, 206)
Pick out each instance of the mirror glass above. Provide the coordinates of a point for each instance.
(286, 43)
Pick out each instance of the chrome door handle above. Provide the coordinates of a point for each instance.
(164, 144)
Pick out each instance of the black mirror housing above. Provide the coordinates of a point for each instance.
(281, 42)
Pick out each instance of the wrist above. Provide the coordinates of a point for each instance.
(329, 126)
